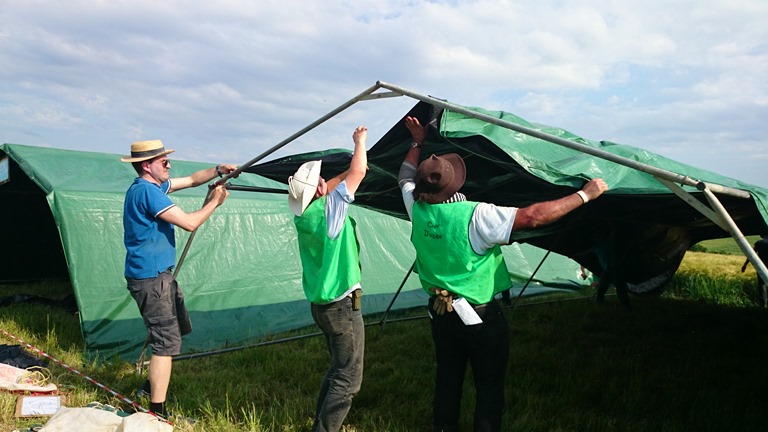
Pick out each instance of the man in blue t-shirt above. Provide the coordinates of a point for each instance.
(148, 220)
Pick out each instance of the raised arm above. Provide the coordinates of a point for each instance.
(418, 135)
(547, 212)
(359, 165)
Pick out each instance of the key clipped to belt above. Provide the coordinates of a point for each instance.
(357, 296)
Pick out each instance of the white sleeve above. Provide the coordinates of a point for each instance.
(490, 225)
(406, 183)
(407, 191)
(336, 206)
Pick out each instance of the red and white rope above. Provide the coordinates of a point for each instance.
(71, 369)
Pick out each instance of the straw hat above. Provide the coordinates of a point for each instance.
(144, 150)
(302, 186)
(439, 177)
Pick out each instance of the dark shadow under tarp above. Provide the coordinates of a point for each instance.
(641, 227)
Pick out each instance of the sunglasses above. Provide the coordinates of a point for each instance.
(166, 163)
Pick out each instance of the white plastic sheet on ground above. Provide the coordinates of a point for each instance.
(99, 420)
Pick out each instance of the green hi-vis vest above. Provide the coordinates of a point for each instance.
(330, 267)
(444, 256)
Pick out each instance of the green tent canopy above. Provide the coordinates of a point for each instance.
(62, 217)
(639, 228)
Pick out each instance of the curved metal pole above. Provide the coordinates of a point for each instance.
(658, 172)
(733, 229)
(362, 96)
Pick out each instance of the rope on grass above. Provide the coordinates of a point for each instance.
(73, 370)
(36, 375)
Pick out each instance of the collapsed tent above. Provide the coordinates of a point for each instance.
(639, 225)
(62, 217)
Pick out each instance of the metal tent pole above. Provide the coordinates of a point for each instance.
(658, 172)
(365, 95)
(734, 231)
(394, 297)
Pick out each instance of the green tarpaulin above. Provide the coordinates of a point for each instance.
(62, 216)
(639, 226)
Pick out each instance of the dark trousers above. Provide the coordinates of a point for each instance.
(486, 347)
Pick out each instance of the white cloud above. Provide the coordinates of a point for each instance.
(244, 75)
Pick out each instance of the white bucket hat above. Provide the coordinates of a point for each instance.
(302, 186)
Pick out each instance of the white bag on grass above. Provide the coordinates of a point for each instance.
(82, 420)
(99, 420)
(143, 422)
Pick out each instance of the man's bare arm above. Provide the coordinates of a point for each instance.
(545, 213)
(359, 164)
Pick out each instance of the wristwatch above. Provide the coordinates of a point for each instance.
(414, 144)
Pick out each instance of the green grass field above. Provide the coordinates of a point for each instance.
(692, 359)
(726, 246)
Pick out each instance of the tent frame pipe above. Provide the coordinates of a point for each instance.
(733, 229)
(670, 176)
(721, 218)
(657, 172)
(365, 95)
(693, 202)
(397, 293)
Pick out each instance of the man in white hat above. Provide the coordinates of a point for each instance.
(148, 220)
(331, 276)
(461, 267)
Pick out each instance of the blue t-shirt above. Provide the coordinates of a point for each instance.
(149, 241)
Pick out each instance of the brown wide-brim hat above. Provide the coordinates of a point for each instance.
(439, 177)
(144, 150)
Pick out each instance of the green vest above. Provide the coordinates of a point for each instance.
(330, 267)
(444, 256)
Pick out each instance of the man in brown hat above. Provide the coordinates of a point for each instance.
(148, 220)
(461, 266)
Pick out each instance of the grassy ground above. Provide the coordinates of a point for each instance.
(690, 360)
(725, 246)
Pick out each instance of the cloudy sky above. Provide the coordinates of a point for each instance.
(226, 80)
